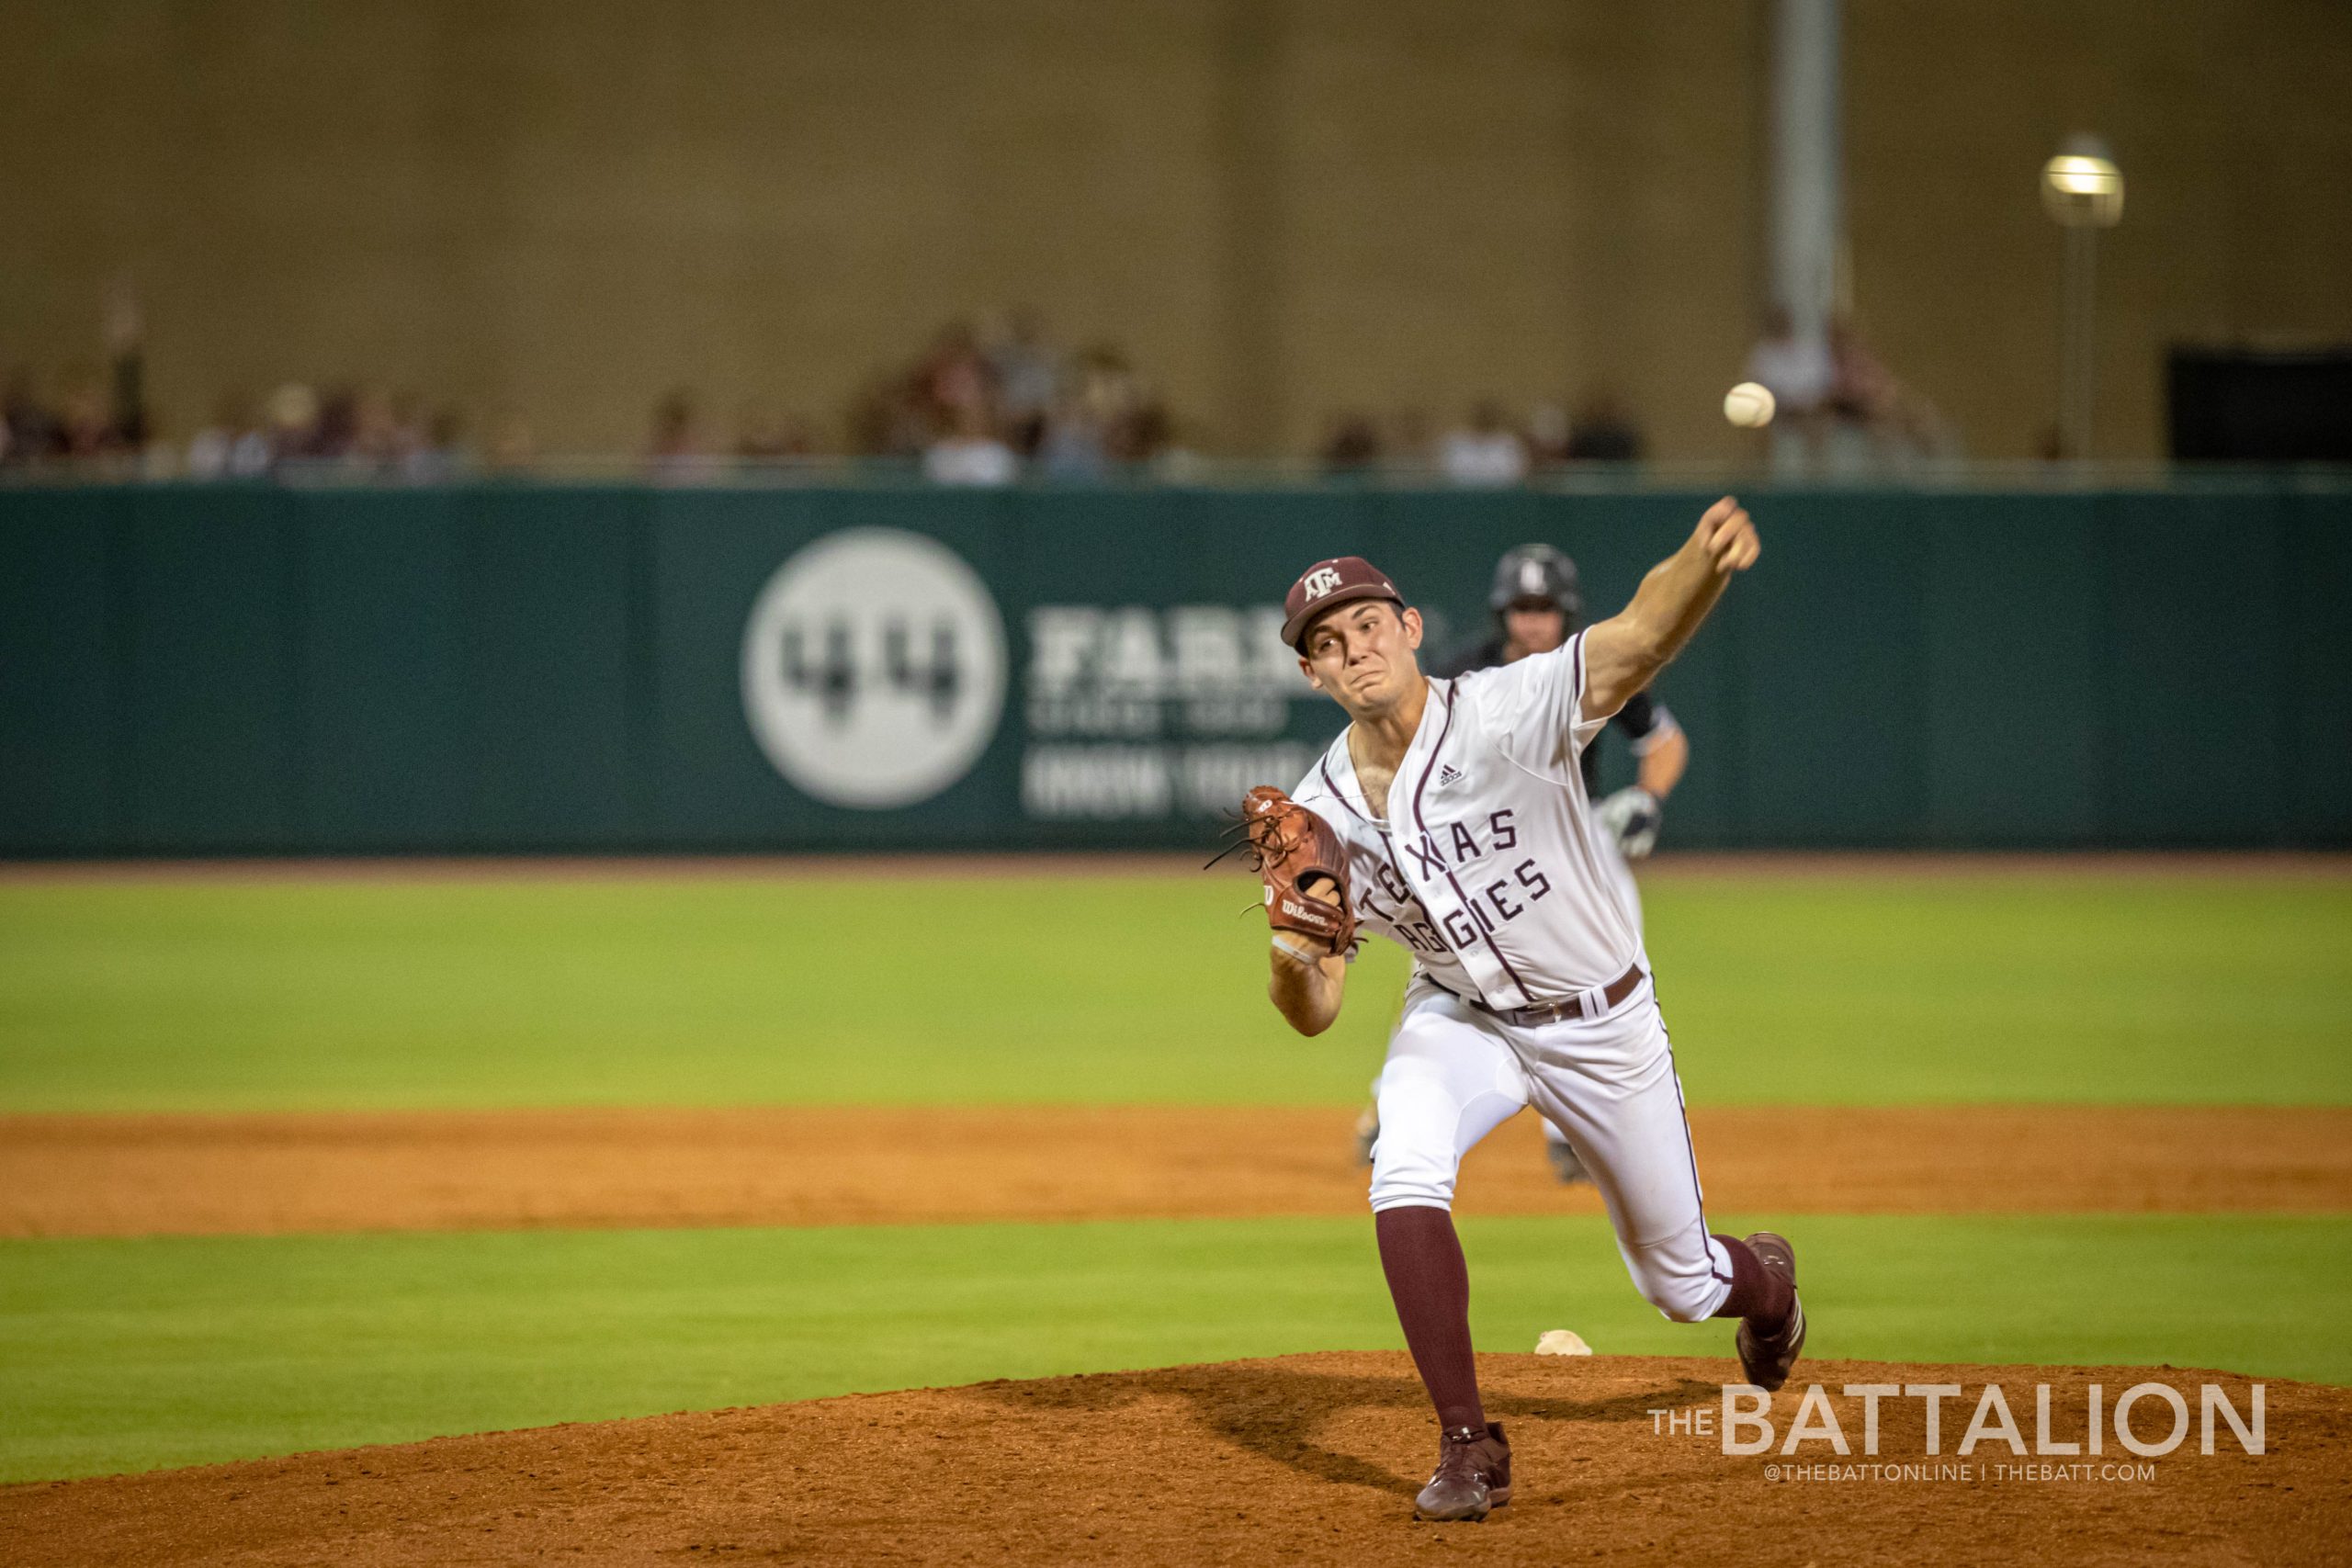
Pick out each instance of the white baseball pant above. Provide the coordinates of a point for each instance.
(1455, 1073)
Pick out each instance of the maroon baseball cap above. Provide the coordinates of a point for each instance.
(1329, 583)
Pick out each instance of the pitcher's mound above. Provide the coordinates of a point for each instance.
(1308, 1459)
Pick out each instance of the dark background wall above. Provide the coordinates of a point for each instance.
(190, 672)
(1283, 207)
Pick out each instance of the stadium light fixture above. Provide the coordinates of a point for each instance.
(2081, 187)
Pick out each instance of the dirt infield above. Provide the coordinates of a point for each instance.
(261, 1174)
(1305, 1460)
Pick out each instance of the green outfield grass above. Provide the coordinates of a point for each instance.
(118, 1355)
(1865, 988)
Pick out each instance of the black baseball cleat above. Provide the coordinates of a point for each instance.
(1473, 1475)
(1767, 1359)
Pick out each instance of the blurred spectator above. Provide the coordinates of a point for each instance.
(411, 430)
(1142, 430)
(1028, 377)
(126, 338)
(1548, 434)
(377, 442)
(98, 420)
(966, 410)
(336, 432)
(1353, 445)
(32, 429)
(953, 378)
(233, 446)
(970, 453)
(1801, 375)
(1094, 427)
(110, 421)
(1076, 445)
(1603, 432)
(1874, 419)
(675, 451)
(900, 415)
(293, 423)
(1485, 452)
(86, 428)
(1798, 372)
(1082, 419)
(675, 432)
(437, 456)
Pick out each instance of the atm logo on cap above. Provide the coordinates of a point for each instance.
(1321, 581)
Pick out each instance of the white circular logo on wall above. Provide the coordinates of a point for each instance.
(874, 668)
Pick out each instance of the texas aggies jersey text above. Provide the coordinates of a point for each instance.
(1484, 866)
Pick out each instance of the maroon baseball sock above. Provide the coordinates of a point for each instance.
(1757, 1294)
(1431, 1285)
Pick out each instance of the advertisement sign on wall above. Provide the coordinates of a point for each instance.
(875, 670)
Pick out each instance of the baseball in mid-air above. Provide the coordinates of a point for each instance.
(1748, 405)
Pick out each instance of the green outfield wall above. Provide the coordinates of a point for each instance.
(285, 671)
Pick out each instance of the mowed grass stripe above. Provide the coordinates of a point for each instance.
(1860, 989)
(122, 1355)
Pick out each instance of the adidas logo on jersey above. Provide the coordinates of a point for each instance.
(1447, 774)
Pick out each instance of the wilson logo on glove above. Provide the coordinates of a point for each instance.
(1296, 852)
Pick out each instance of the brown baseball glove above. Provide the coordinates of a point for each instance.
(1297, 853)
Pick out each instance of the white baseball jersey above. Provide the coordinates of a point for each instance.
(1485, 865)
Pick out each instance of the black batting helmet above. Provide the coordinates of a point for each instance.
(1537, 572)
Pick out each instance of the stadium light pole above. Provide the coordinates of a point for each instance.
(1807, 191)
(2082, 189)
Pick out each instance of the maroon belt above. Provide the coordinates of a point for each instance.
(1616, 991)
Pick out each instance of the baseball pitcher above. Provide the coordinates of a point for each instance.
(1451, 816)
(1538, 604)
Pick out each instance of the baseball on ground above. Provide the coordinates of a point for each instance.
(1562, 1342)
(1748, 405)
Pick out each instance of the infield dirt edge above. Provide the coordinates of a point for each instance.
(281, 1173)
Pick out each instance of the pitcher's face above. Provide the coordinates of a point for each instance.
(1365, 655)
